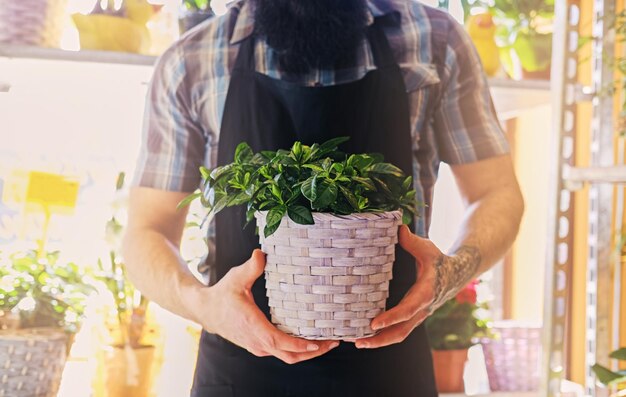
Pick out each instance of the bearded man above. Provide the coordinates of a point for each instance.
(399, 78)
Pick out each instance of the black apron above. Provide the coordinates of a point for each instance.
(271, 114)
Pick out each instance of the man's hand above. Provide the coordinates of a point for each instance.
(233, 314)
(440, 277)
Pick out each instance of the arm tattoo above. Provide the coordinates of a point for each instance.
(453, 272)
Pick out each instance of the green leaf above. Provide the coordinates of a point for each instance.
(269, 230)
(325, 193)
(268, 154)
(367, 182)
(220, 205)
(327, 163)
(407, 217)
(275, 215)
(352, 200)
(204, 172)
(382, 186)
(218, 172)
(360, 161)
(239, 199)
(296, 149)
(276, 192)
(385, 168)
(187, 200)
(406, 184)
(338, 168)
(273, 219)
(619, 354)
(243, 153)
(300, 214)
(606, 376)
(313, 167)
(307, 189)
(332, 144)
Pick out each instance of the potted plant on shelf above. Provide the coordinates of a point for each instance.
(128, 361)
(42, 301)
(452, 330)
(117, 27)
(613, 379)
(524, 35)
(193, 12)
(341, 214)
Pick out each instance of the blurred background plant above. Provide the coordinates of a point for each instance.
(459, 323)
(524, 35)
(194, 12)
(39, 290)
(613, 379)
(130, 306)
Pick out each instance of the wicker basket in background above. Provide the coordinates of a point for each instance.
(32, 22)
(330, 279)
(513, 357)
(31, 362)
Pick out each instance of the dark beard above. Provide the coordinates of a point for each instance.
(310, 34)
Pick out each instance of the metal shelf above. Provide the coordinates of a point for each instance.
(511, 98)
(31, 52)
(609, 174)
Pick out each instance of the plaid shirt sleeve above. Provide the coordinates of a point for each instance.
(173, 144)
(465, 122)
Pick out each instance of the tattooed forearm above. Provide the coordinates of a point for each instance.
(453, 272)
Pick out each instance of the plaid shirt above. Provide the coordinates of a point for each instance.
(452, 115)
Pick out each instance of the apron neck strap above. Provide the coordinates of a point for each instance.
(381, 51)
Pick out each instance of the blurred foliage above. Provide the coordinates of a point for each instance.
(456, 325)
(525, 27)
(197, 5)
(611, 378)
(112, 274)
(43, 291)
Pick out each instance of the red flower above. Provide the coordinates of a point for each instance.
(467, 294)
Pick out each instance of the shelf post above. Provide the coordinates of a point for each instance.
(560, 218)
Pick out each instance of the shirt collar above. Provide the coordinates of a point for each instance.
(244, 26)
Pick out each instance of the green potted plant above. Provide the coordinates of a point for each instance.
(613, 379)
(42, 301)
(128, 360)
(452, 329)
(524, 35)
(193, 12)
(328, 215)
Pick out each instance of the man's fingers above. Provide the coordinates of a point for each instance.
(413, 244)
(293, 358)
(416, 299)
(278, 340)
(251, 269)
(393, 334)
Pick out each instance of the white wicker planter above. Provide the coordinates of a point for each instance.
(31, 362)
(330, 279)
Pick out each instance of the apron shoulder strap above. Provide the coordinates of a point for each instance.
(245, 54)
(381, 50)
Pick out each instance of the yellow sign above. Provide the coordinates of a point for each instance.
(57, 192)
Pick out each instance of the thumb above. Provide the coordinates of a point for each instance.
(412, 243)
(252, 269)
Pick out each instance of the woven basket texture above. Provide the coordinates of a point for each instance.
(330, 279)
(32, 22)
(31, 362)
(513, 358)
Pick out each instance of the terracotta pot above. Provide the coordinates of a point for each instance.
(449, 366)
(538, 75)
(127, 371)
